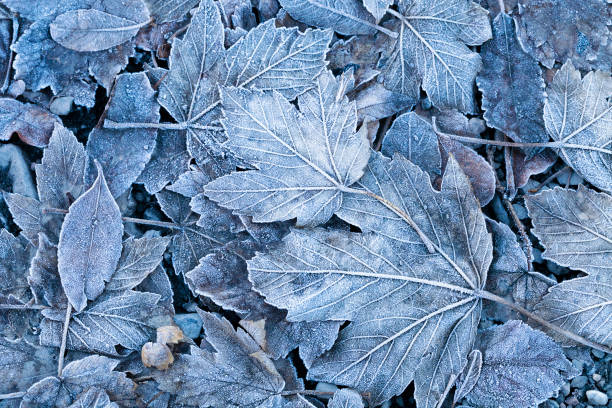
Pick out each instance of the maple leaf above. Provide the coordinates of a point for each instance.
(521, 367)
(574, 226)
(578, 115)
(318, 144)
(414, 313)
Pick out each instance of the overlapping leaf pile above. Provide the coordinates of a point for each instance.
(302, 180)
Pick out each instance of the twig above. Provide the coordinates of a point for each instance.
(12, 395)
(23, 307)
(153, 223)
(9, 65)
(60, 362)
(319, 393)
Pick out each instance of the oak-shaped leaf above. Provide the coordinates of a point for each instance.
(318, 144)
(432, 52)
(42, 62)
(575, 227)
(410, 291)
(582, 306)
(78, 376)
(512, 86)
(237, 374)
(123, 153)
(521, 367)
(90, 30)
(32, 123)
(560, 30)
(578, 115)
(89, 243)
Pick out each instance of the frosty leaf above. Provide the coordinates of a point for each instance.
(170, 159)
(377, 102)
(22, 364)
(343, 16)
(89, 244)
(26, 214)
(558, 30)
(14, 262)
(582, 306)
(575, 227)
(190, 242)
(121, 318)
(414, 313)
(123, 153)
(222, 276)
(93, 398)
(59, 176)
(238, 374)
(87, 30)
(345, 398)
(32, 124)
(41, 62)
(378, 8)
(413, 137)
(578, 115)
(432, 52)
(511, 85)
(521, 367)
(138, 259)
(164, 11)
(318, 145)
(77, 377)
(43, 277)
(469, 376)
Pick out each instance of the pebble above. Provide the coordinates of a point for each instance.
(565, 389)
(552, 404)
(12, 158)
(598, 353)
(596, 377)
(190, 324)
(596, 397)
(17, 88)
(579, 381)
(326, 387)
(62, 105)
(571, 401)
(520, 210)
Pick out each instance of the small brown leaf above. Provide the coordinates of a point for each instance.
(32, 124)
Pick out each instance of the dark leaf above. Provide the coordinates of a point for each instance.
(22, 364)
(32, 124)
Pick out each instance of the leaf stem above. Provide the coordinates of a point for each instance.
(153, 223)
(319, 393)
(12, 395)
(566, 333)
(23, 307)
(62, 352)
(110, 124)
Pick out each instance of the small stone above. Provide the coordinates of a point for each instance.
(520, 210)
(156, 355)
(565, 389)
(598, 353)
(552, 404)
(17, 88)
(62, 105)
(571, 401)
(596, 397)
(596, 377)
(14, 162)
(579, 381)
(190, 324)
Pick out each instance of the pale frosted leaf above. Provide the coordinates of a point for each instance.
(164, 11)
(89, 244)
(378, 8)
(578, 115)
(59, 176)
(115, 319)
(562, 30)
(87, 30)
(32, 123)
(512, 86)
(469, 376)
(343, 16)
(521, 367)
(575, 227)
(138, 259)
(318, 145)
(123, 153)
(77, 377)
(238, 374)
(93, 398)
(414, 313)
(281, 59)
(376, 102)
(27, 214)
(345, 398)
(44, 278)
(432, 52)
(413, 137)
(582, 306)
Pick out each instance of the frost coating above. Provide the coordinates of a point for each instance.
(89, 243)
